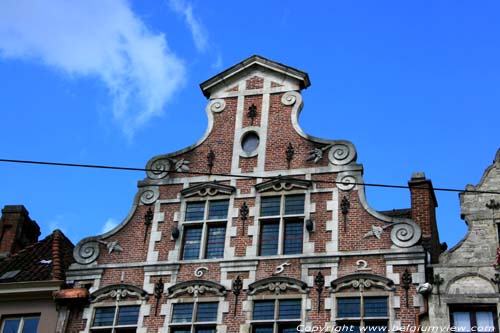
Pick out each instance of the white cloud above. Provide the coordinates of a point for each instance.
(94, 38)
(199, 34)
(108, 225)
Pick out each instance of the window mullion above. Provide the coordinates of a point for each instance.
(204, 232)
(21, 325)
(281, 228)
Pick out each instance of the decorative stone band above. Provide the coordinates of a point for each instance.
(277, 284)
(196, 288)
(118, 292)
(404, 233)
(283, 183)
(207, 189)
(340, 152)
(362, 281)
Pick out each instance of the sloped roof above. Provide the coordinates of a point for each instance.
(251, 62)
(45, 260)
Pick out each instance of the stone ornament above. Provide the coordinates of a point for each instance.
(87, 252)
(149, 195)
(160, 167)
(362, 265)
(346, 181)
(118, 292)
(283, 183)
(341, 154)
(403, 234)
(198, 272)
(280, 268)
(362, 281)
(217, 105)
(112, 246)
(208, 189)
(316, 154)
(196, 288)
(277, 285)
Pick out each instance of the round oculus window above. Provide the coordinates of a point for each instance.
(250, 142)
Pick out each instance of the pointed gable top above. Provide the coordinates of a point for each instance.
(249, 63)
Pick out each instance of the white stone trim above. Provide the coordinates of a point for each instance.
(333, 224)
(155, 234)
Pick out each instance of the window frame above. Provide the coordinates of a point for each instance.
(281, 219)
(115, 325)
(205, 224)
(362, 320)
(22, 318)
(277, 323)
(193, 324)
(472, 309)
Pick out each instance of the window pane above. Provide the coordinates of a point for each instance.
(461, 321)
(11, 325)
(293, 238)
(289, 309)
(485, 321)
(180, 330)
(215, 242)
(192, 240)
(128, 315)
(183, 313)
(263, 329)
(294, 204)
(375, 306)
(269, 239)
(348, 307)
(104, 316)
(218, 210)
(195, 211)
(375, 327)
(288, 328)
(205, 330)
(123, 330)
(270, 206)
(206, 312)
(30, 325)
(263, 310)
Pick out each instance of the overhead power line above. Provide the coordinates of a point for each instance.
(110, 167)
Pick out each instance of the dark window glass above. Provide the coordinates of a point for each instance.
(218, 210)
(263, 310)
(183, 313)
(348, 307)
(264, 329)
(250, 142)
(269, 239)
(195, 211)
(215, 242)
(294, 204)
(375, 306)
(192, 240)
(293, 238)
(181, 330)
(11, 325)
(205, 330)
(30, 325)
(289, 309)
(206, 312)
(287, 328)
(104, 316)
(128, 315)
(270, 206)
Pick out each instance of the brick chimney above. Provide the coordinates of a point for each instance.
(17, 230)
(423, 212)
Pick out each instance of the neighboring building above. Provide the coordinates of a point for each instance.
(30, 274)
(257, 227)
(466, 280)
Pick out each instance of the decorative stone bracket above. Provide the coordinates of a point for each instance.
(283, 183)
(277, 284)
(362, 281)
(118, 292)
(196, 288)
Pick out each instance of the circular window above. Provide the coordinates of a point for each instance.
(250, 142)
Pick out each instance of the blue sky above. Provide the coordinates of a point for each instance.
(414, 85)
